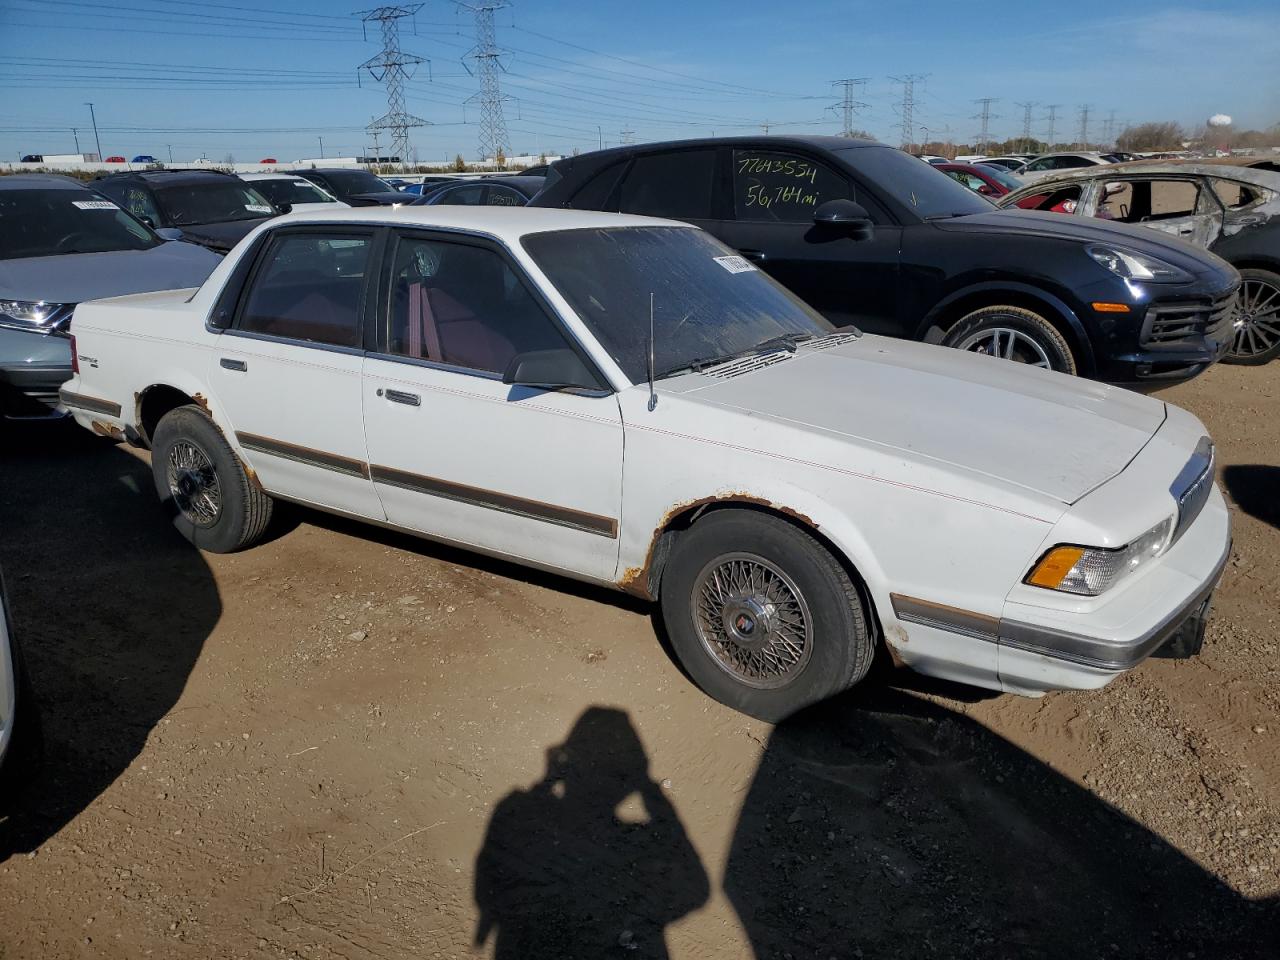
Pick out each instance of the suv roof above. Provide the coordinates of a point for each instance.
(47, 181)
(813, 142)
(168, 176)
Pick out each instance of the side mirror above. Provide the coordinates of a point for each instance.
(285, 207)
(149, 221)
(550, 370)
(986, 190)
(845, 217)
(169, 233)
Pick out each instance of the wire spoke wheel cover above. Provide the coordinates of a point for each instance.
(193, 483)
(1258, 318)
(753, 620)
(1008, 344)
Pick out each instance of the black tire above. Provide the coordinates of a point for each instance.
(968, 332)
(243, 509)
(840, 643)
(1250, 350)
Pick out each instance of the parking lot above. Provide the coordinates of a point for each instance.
(351, 743)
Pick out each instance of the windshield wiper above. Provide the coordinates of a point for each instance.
(785, 341)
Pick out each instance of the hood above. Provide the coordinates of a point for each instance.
(221, 236)
(1059, 226)
(76, 277)
(1052, 434)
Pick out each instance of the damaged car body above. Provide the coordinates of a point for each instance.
(626, 401)
(1233, 211)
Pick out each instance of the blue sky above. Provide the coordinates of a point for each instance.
(269, 79)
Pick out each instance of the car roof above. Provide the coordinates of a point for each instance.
(775, 140)
(505, 223)
(1156, 168)
(42, 181)
(531, 182)
(271, 176)
(170, 177)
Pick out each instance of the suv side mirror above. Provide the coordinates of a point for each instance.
(285, 207)
(846, 217)
(556, 369)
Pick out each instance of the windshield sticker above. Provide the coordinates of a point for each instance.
(735, 264)
(258, 208)
(94, 205)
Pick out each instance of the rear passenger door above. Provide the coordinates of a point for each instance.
(678, 185)
(774, 195)
(287, 372)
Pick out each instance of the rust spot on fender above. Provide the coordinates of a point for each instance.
(636, 580)
(107, 430)
(895, 635)
(199, 400)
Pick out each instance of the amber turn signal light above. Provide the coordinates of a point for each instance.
(1110, 307)
(1054, 566)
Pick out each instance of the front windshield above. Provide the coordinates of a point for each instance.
(192, 204)
(928, 193)
(350, 182)
(45, 223)
(708, 303)
(291, 191)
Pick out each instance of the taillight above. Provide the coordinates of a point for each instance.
(75, 358)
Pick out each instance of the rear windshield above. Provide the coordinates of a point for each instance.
(708, 303)
(45, 223)
(291, 191)
(197, 203)
(348, 182)
(928, 193)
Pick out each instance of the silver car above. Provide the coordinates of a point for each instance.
(62, 243)
(1051, 163)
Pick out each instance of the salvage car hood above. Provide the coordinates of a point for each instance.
(76, 277)
(1056, 435)
(1059, 226)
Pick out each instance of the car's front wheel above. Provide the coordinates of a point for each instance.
(1257, 338)
(204, 486)
(1013, 333)
(761, 615)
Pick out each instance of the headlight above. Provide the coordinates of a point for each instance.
(1094, 570)
(1131, 265)
(32, 314)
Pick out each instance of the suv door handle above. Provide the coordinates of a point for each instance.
(399, 396)
(228, 364)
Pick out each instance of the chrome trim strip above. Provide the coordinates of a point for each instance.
(314, 458)
(477, 497)
(1191, 487)
(942, 617)
(82, 402)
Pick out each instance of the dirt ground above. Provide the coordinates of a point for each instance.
(350, 743)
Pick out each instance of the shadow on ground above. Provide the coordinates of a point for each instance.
(879, 825)
(112, 607)
(1255, 488)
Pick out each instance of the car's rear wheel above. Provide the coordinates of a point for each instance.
(204, 486)
(1013, 333)
(761, 615)
(1257, 338)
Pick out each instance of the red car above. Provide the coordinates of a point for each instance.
(986, 179)
(268, 160)
(115, 160)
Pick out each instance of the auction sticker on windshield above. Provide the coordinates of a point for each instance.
(94, 205)
(257, 208)
(735, 264)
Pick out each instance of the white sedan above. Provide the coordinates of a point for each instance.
(625, 401)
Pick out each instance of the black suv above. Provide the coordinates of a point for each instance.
(214, 209)
(358, 188)
(873, 237)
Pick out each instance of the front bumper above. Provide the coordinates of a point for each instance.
(1178, 339)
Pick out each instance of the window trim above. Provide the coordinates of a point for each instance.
(259, 256)
(379, 347)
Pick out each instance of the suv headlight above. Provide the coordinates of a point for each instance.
(32, 314)
(1093, 570)
(1131, 265)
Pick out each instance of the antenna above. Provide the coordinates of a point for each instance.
(653, 396)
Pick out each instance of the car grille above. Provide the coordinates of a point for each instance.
(1173, 324)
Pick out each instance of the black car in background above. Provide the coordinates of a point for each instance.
(360, 188)
(871, 236)
(515, 191)
(208, 207)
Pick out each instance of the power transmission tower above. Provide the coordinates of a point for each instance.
(1053, 123)
(907, 123)
(849, 105)
(1084, 126)
(765, 127)
(1109, 129)
(629, 136)
(487, 56)
(393, 66)
(1026, 122)
(986, 116)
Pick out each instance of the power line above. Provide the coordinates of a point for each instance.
(392, 67)
(487, 57)
(1053, 121)
(1026, 121)
(986, 116)
(849, 105)
(907, 122)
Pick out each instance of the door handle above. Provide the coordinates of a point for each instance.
(408, 399)
(228, 364)
(759, 256)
